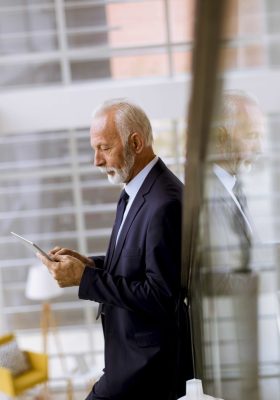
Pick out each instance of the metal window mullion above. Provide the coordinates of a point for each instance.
(27, 34)
(90, 53)
(62, 40)
(265, 16)
(82, 242)
(176, 141)
(30, 58)
(47, 212)
(92, 29)
(78, 204)
(168, 38)
(3, 318)
(31, 7)
(240, 52)
(46, 173)
(93, 3)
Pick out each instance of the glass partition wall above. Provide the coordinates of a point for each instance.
(232, 246)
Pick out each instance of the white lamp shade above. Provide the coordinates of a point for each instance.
(40, 284)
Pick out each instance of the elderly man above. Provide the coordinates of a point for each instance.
(137, 283)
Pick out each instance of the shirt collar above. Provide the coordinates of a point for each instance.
(134, 185)
(225, 177)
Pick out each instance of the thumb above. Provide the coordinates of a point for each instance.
(44, 259)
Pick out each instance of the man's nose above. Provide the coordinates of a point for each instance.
(98, 159)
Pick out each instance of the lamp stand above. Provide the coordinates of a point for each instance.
(48, 324)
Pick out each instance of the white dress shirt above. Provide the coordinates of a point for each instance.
(132, 188)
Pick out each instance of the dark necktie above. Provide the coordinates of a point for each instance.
(240, 196)
(122, 203)
(119, 215)
(239, 221)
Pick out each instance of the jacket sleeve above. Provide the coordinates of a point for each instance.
(99, 261)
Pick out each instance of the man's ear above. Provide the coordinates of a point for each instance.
(222, 135)
(222, 138)
(136, 142)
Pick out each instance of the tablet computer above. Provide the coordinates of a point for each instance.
(32, 246)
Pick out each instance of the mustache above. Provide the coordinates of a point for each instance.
(106, 170)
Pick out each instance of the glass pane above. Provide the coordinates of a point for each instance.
(181, 20)
(182, 62)
(90, 70)
(139, 66)
(273, 15)
(26, 20)
(99, 245)
(24, 74)
(25, 3)
(101, 219)
(87, 39)
(85, 16)
(274, 54)
(130, 22)
(86, 26)
(34, 151)
(94, 193)
(17, 195)
(27, 43)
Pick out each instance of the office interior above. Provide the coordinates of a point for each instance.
(59, 59)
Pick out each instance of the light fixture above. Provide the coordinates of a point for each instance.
(42, 287)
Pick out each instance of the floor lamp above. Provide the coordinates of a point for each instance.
(40, 286)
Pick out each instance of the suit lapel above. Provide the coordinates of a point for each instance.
(135, 208)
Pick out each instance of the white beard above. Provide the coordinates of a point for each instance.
(120, 175)
(245, 167)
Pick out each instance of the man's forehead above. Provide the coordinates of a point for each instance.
(99, 123)
(251, 114)
(103, 129)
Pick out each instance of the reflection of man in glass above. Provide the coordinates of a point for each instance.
(236, 141)
(238, 131)
(229, 285)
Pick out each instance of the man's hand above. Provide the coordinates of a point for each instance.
(66, 269)
(62, 251)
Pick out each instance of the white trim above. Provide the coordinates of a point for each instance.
(71, 107)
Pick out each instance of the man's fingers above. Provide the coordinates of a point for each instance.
(59, 251)
(63, 251)
(45, 261)
(55, 250)
(60, 257)
(65, 269)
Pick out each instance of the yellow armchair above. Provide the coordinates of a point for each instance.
(14, 385)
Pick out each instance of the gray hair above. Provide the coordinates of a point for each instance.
(231, 104)
(129, 118)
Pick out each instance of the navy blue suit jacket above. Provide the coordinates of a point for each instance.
(144, 322)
